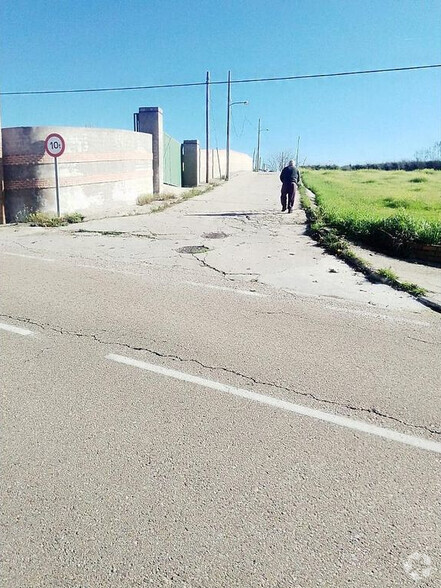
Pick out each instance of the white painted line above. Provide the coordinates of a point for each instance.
(16, 330)
(378, 316)
(29, 256)
(334, 419)
(107, 269)
(226, 289)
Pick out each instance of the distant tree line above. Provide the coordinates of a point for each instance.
(424, 159)
(387, 166)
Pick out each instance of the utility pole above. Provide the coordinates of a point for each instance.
(297, 152)
(259, 131)
(207, 129)
(258, 147)
(227, 173)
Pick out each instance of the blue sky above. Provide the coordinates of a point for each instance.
(64, 44)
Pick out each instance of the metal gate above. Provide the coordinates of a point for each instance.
(172, 161)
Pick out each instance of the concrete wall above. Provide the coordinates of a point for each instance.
(100, 169)
(2, 203)
(218, 163)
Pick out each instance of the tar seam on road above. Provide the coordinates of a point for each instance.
(334, 419)
(16, 330)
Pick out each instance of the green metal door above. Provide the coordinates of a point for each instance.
(172, 161)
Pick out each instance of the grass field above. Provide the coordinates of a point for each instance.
(389, 209)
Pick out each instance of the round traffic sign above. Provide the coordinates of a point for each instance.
(54, 145)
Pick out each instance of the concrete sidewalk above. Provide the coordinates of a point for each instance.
(248, 238)
(425, 276)
(235, 235)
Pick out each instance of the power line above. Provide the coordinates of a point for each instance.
(245, 81)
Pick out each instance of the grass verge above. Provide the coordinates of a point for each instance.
(334, 243)
(386, 210)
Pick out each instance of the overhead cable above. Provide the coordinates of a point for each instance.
(245, 81)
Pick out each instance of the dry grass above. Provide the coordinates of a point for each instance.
(149, 198)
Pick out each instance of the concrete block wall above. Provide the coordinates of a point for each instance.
(100, 169)
(218, 163)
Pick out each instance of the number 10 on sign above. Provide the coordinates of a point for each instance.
(54, 146)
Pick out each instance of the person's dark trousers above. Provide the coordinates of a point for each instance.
(287, 192)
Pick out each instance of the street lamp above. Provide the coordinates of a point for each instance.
(229, 105)
(259, 130)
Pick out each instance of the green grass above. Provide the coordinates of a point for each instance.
(387, 209)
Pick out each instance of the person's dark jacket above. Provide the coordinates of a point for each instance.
(290, 175)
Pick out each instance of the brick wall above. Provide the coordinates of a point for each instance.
(100, 169)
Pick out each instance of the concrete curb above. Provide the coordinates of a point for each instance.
(433, 304)
(372, 274)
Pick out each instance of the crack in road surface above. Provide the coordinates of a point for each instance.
(351, 407)
(222, 272)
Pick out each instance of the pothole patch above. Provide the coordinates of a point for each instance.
(192, 249)
(215, 235)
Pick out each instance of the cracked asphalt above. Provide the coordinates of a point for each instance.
(115, 476)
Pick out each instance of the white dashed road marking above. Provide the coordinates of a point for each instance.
(372, 315)
(29, 256)
(16, 330)
(334, 419)
(225, 289)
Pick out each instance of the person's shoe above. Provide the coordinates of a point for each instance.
(283, 208)
(290, 209)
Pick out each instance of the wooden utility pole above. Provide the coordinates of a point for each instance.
(207, 129)
(227, 174)
(297, 152)
(258, 147)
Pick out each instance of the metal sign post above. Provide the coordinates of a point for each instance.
(54, 146)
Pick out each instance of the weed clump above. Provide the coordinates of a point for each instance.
(149, 198)
(43, 219)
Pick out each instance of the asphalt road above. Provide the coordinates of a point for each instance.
(232, 418)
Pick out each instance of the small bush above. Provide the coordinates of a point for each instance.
(74, 217)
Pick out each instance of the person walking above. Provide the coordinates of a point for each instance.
(290, 178)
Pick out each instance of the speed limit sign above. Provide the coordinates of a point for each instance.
(54, 145)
